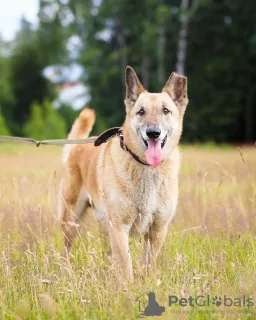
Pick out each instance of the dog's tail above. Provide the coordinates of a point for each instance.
(80, 129)
(83, 124)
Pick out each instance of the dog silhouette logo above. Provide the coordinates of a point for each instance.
(153, 308)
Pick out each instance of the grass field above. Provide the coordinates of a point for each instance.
(210, 249)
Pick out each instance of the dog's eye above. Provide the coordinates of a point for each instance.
(166, 111)
(141, 112)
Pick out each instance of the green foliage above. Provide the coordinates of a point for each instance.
(221, 53)
(144, 34)
(35, 126)
(51, 33)
(68, 114)
(6, 94)
(26, 75)
(4, 131)
(45, 123)
(221, 83)
(54, 124)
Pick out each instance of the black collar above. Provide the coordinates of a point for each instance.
(116, 132)
(135, 157)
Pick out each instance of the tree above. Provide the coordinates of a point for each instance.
(186, 11)
(26, 76)
(45, 123)
(4, 131)
(34, 127)
(52, 33)
(213, 42)
(117, 34)
(68, 114)
(54, 124)
(220, 72)
(6, 94)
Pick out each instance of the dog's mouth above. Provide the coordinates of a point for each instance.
(162, 143)
(154, 152)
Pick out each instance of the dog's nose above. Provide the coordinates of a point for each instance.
(153, 132)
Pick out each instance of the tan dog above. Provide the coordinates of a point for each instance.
(132, 187)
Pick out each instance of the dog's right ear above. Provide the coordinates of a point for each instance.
(133, 87)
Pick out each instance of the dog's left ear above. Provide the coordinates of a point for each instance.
(176, 87)
(133, 87)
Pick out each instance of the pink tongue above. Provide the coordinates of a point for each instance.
(154, 153)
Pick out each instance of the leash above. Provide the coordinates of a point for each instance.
(49, 142)
(97, 141)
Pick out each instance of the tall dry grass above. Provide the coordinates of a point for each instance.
(210, 248)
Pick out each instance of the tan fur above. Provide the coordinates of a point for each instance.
(127, 197)
(80, 129)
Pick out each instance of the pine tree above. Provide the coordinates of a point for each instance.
(35, 125)
(45, 122)
(54, 124)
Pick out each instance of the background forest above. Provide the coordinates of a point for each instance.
(212, 42)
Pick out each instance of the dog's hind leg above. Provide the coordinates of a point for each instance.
(75, 203)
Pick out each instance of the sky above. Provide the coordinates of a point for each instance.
(11, 12)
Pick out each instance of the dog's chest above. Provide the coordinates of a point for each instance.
(145, 197)
(146, 190)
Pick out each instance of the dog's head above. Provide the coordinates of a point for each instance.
(153, 122)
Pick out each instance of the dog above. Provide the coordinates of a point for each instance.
(131, 182)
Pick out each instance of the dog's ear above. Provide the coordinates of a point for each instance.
(176, 87)
(133, 87)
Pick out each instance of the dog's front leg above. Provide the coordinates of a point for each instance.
(154, 240)
(119, 241)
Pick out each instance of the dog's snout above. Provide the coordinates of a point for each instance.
(153, 132)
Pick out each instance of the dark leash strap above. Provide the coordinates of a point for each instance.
(108, 135)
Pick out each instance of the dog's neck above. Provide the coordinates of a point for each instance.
(135, 157)
(133, 145)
